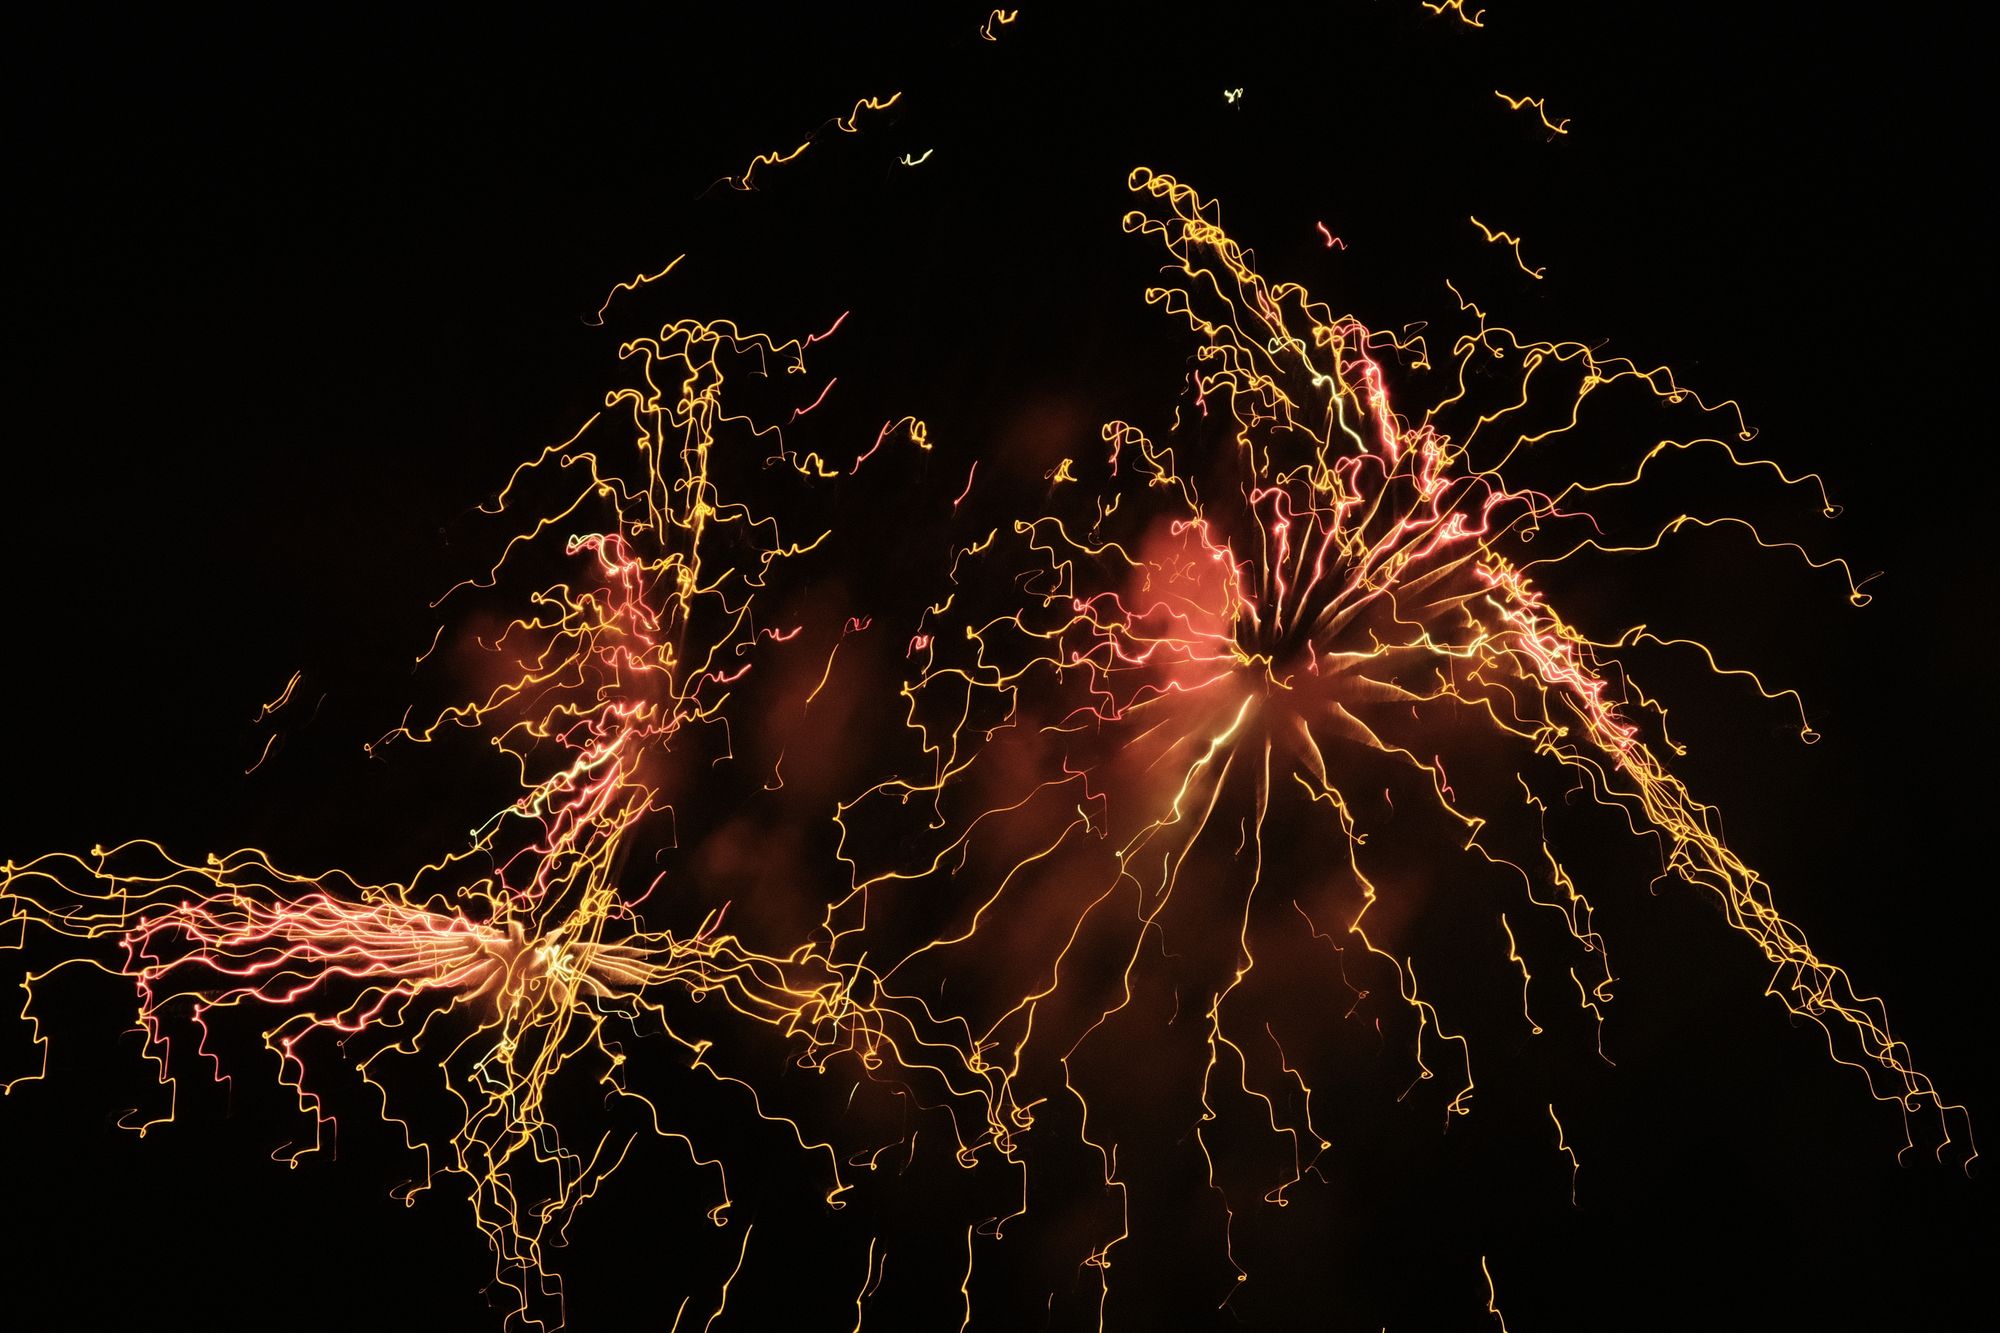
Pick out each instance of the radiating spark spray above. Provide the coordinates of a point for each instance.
(523, 962)
(1300, 593)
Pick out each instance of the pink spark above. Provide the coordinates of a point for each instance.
(798, 412)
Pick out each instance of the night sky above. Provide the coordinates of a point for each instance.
(291, 297)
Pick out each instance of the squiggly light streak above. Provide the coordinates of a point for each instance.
(1511, 242)
(637, 281)
(847, 124)
(1541, 110)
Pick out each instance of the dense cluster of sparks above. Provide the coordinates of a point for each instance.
(1295, 595)
(524, 959)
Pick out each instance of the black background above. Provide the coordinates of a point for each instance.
(290, 297)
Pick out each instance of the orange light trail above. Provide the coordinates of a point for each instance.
(1511, 242)
(847, 124)
(1541, 110)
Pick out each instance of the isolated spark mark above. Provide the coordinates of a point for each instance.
(1563, 1147)
(263, 754)
(1511, 242)
(1303, 595)
(722, 1299)
(847, 124)
(1476, 19)
(999, 18)
(637, 281)
(919, 435)
(284, 697)
(1541, 110)
(798, 412)
(1492, 1295)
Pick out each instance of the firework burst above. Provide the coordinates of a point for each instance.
(1195, 736)
(979, 865)
(520, 968)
